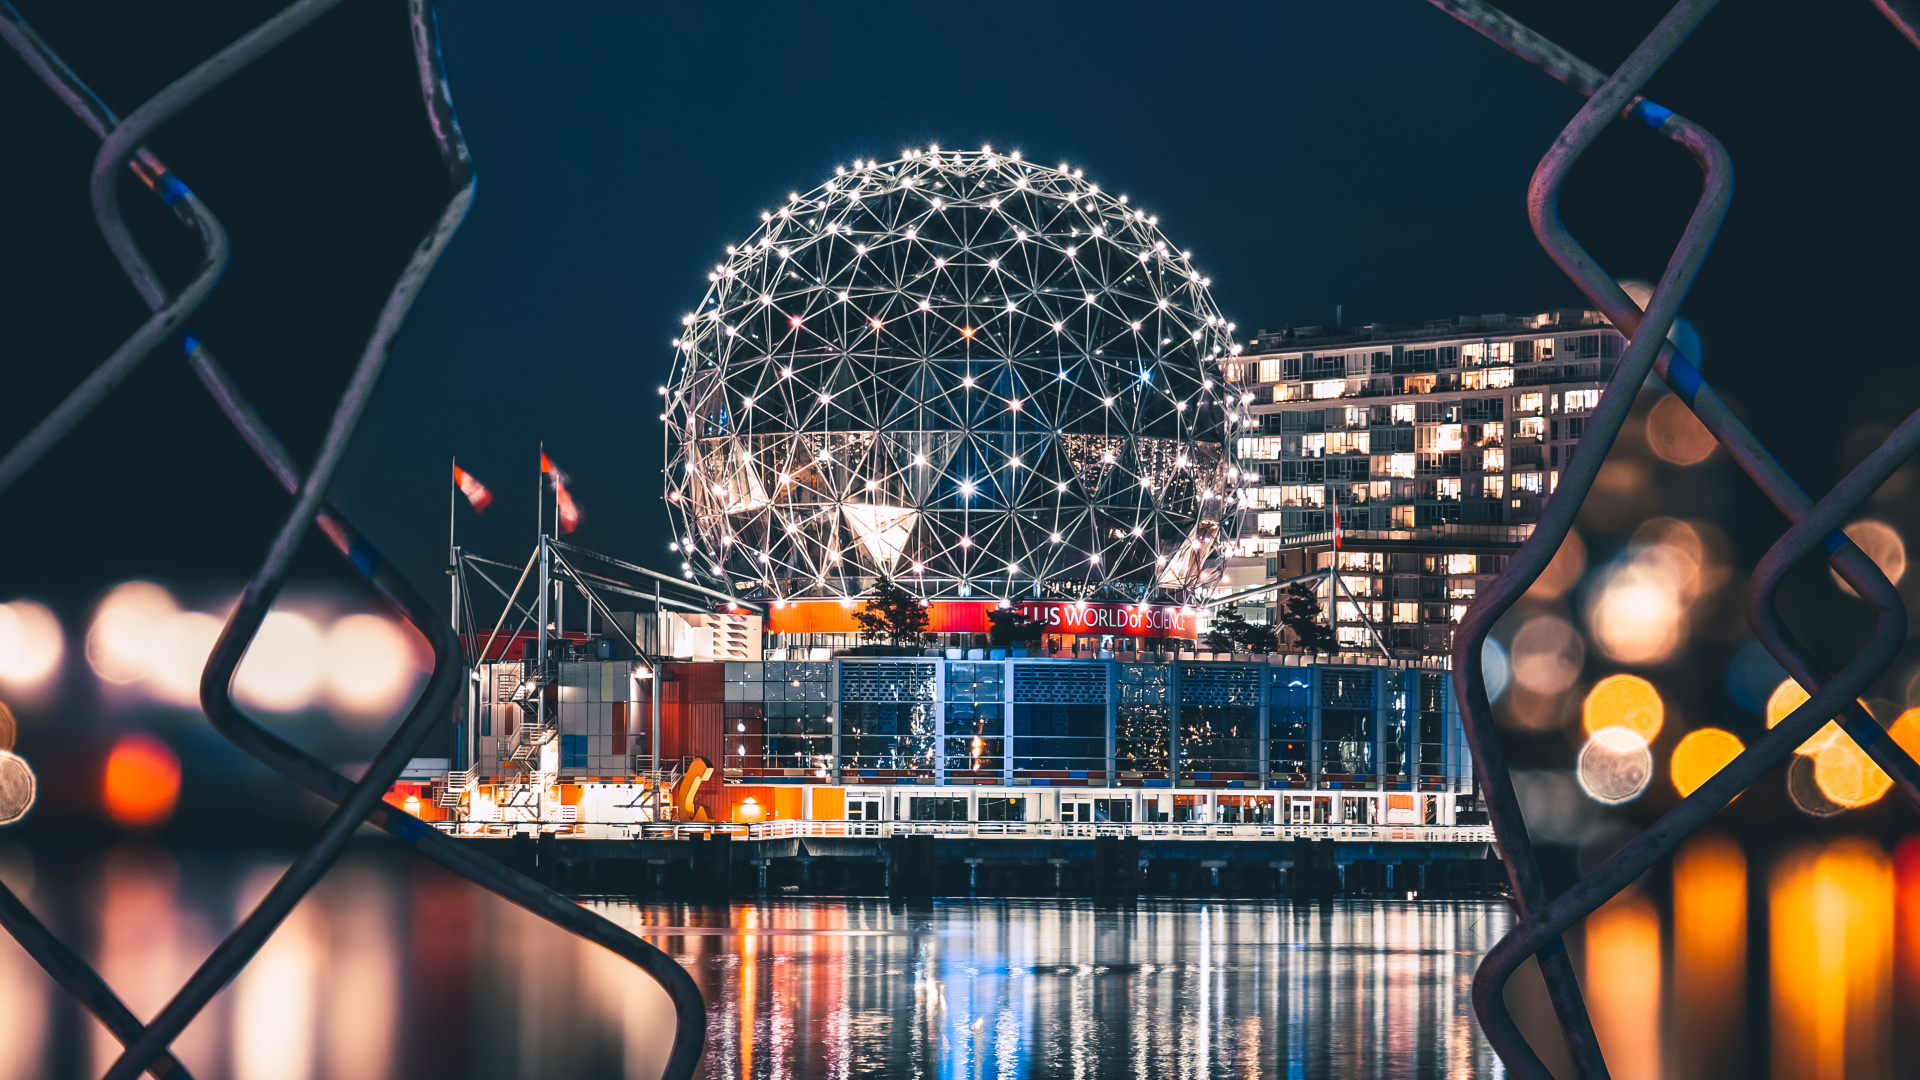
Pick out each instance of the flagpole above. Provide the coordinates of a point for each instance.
(453, 607)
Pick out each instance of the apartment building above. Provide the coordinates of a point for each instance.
(1437, 448)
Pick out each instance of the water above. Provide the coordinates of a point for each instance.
(1793, 959)
(1069, 989)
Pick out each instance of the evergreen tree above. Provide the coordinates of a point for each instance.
(1009, 626)
(1228, 630)
(1231, 632)
(1301, 614)
(893, 613)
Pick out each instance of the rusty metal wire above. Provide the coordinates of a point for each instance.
(1814, 525)
(146, 1047)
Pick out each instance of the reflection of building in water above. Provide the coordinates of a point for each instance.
(984, 740)
(1438, 446)
(1069, 989)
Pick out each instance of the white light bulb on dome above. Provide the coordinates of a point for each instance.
(1061, 486)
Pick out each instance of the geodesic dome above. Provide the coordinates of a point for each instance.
(972, 373)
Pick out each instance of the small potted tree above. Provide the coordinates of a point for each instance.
(891, 615)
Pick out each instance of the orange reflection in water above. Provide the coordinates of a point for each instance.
(1906, 948)
(1623, 984)
(1832, 936)
(1709, 957)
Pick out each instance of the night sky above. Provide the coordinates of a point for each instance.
(1372, 154)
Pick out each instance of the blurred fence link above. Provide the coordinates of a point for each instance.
(1815, 524)
(146, 1046)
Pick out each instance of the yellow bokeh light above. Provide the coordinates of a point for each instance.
(1845, 774)
(1905, 731)
(1700, 755)
(1624, 701)
(1789, 696)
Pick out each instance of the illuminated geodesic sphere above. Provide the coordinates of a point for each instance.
(974, 374)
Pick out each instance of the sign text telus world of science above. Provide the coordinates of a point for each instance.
(1132, 620)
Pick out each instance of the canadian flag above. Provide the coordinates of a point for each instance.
(475, 491)
(568, 510)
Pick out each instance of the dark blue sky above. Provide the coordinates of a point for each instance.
(1371, 154)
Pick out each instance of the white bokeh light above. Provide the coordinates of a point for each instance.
(31, 646)
(282, 669)
(125, 627)
(369, 668)
(178, 655)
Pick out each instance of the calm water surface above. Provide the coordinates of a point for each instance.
(1804, 963)
(1065, 988)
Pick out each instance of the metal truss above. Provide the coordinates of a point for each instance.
(971, 372)
(1815, 525)
(146, 1047)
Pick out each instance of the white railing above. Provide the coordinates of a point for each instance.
(1038, 830)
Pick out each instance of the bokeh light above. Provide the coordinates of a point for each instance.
(1638, 612)
(1615, 766)
(120, 642)
(1882, 544)
(282, 669)
(17, 788)
(369, 667)
(9, 727)
(1563, 573)
(1637, 616)
(1548, 654)
(1495, 668)
(1847, 776)
(31, 645)
(141, 783)
(1699, 755)
(1789, 696)
(1805, 791)
(178, 654)
(1675, 435)
(1624, 701)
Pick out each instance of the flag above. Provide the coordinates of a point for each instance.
(1336, 523)
(475, 491)
(569, 512)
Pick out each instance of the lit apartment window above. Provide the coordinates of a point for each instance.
(1270, 370)
(1527, 482)
(1403, 517)
(1460, 564)
(1348, 442)
(1458, 611)
(1499, 377)
(1406, 613)
(1531, 427)
(1529, 402)
(1492, 434)
(1358, 416)
(1401, 412)
(1446, 437)
(1329, 388)
(1494, 486)
(1493, 459)
(1400, 465)
(1449, 488)
(1581, 400)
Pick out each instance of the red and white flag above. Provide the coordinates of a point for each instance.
(1336, 525)
(475, 491)
(569, 512)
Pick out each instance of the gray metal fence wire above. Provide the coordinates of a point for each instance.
(146, 1048)
(1815, 525)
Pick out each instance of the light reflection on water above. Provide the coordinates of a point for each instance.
(1066, 988)
(393, 968)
